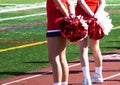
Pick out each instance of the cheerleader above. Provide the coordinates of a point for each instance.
(92, 9)
(57, 44)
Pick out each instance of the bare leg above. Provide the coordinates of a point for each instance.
(64, 64)
(83, 45)
(97, 78)
(56, 53)
(94, 44)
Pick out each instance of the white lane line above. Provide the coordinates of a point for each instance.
(22, 7)
(25, 16)
(112, 76)
(18, 9)
(74, 65)
(8, 83)
(112, 4)
(19, 80)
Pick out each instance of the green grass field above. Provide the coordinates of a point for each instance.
(21, 2)
(16, 61)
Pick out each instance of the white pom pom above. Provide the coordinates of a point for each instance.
(105, 22)
(84, 24)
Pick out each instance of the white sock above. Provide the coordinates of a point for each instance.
(58, 83)
(86, 74)
(64, 83)
(98, 70)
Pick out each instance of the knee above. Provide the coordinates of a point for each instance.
(53, 60)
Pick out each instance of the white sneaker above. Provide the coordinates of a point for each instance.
(97, 79)
(85, 82)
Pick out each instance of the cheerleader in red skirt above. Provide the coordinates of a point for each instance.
(57, 44)
(90, 9)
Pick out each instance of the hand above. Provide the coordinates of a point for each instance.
(71, 15)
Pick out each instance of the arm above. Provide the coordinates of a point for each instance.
(101, 7)
(86, 7)
(63, 8)
(70, 6)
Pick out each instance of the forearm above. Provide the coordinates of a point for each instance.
(86, 7)
(100, 7)
(71, 8)
(61, 7)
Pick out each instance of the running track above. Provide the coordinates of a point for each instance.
(111, 73)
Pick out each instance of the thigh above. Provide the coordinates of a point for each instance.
(56, 45)
(94, 43)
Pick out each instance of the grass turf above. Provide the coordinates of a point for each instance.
(20, 61)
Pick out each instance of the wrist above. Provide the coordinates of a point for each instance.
(71, 15)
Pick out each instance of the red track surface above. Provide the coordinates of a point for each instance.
(111, 73)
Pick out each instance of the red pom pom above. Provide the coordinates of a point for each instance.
(94, 29)
(72, 28)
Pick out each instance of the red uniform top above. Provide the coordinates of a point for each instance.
(53, 13)
(93, 4)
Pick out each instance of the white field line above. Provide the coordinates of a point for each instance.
(18, 9)
(22, 4)
(33, 6)
(25, 16)
(21, 7)
(23, 79)
(112, 76)
(45, 3)
(112, 4)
